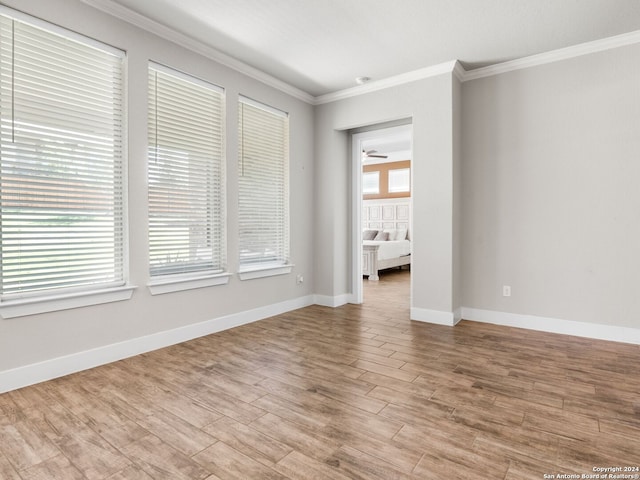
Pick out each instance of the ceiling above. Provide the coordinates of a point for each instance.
(392, 143)
(321, 46)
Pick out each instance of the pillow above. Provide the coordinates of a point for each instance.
(402, 234)
(392, 233)
(369, 234)
(382, 236)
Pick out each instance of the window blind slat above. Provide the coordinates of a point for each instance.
(185, 174)
(61, 168)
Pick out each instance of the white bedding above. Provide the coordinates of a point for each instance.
(390, 249)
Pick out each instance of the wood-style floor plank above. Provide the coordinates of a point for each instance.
(7, 472)
(25, 446)
(355, 392)
(227, 462)
(56, 468)
(249, 441)
(297, 466)
(161, 460)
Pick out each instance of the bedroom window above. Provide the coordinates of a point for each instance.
(386, 180)
(370, 183)
(263, 189)
(399, 180)
(61, 168)
(186, 178)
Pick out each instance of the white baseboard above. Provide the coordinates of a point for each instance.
(434, 316)
(554, 325)
(328, 301)
(58, 367)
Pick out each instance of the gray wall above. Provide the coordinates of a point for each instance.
(428, 103)
(457, 197)
(551, 169)
(27, 340)
(528, 179)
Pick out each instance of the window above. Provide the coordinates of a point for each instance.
(186, 176)
(370, 183)
(399, 180)
(386, 180)
(61, 168)
(263, 187)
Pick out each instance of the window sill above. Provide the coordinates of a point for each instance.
(251, 272)
(169, 285)
(52, 303)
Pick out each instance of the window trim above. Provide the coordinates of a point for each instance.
(31, 303)
(21, 307)
(265, 271)
(251, 271)
(159, 286)
(175, 282)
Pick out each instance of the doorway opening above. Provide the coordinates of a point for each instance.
(381, 208)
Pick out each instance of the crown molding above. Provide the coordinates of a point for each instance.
(554, 56)
(463, 75)
(123, 13)
(459, 71)
(112, 8)
(388, 82)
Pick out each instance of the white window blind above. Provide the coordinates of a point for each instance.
(371, 183)
(186, 174)
(399, 180)
(61, 161)
(263, 185)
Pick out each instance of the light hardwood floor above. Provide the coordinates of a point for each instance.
(357, 392)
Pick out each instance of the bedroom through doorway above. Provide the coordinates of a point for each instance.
(382, 216)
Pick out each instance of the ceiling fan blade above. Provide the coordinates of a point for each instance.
(371, 154)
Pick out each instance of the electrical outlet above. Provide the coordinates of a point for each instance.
(299, 279)
(506, 291)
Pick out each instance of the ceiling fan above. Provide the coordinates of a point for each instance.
(372, 154)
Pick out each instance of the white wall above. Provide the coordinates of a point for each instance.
(551, 169)
(428, 103)
(39, 338)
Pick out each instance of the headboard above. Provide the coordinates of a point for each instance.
(392, 213)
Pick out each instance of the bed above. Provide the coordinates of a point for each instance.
(384, 251)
